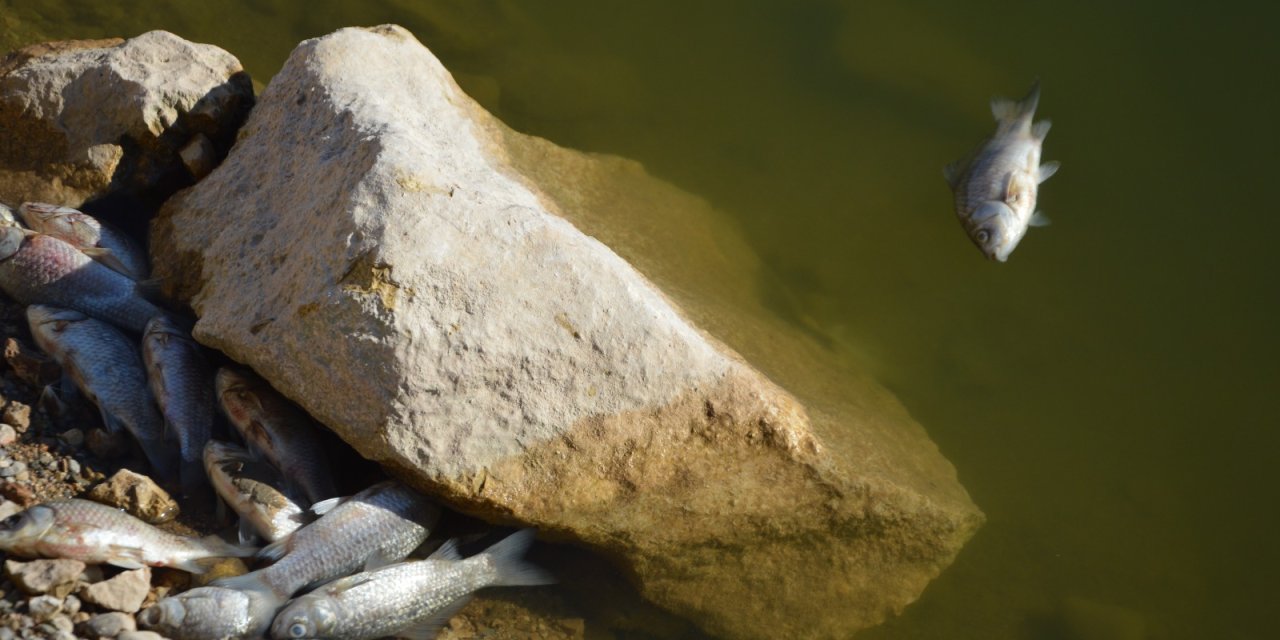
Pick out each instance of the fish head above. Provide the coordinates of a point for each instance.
(21, 530)
(48, 322)
(11, 238)
(995, 229)
(204, 612)
(306, 617)
(61, 221)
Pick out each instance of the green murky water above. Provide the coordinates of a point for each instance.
(1108, 395)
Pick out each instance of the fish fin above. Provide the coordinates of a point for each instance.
(275, 550)
(112, 423)
(509, 566)
(52, 402)
(325, 506)
(108, 259)
(429, 628)
(254, 583)
(951, 172)
(1048, 169)
(150, 289)
(126, 557)
(217, 547)
(1040, 129)
(247, 534)
(1038, 219)
(447, 551)
(1009, 111)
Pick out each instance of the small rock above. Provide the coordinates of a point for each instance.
(71, 605)
(43, 608)
(62, 623)
(7, 435)
(7, 634)
(31, 366)
(107, 445)
(73, 437)
(12, 470)
(137, 494)
(124, 592)
(108, 625)
(139, 635)
(16, 414)
(199, 156)
(38, 577)
(17, 492)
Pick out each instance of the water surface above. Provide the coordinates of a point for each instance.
(1108, 395)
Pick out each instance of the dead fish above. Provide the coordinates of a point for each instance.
(95, 238)
(182, 382)
(95, 533)
(105, 366)
(251, 487)
(996, 187)
(409, 599)
(373, 528)
(278, 430)
(40, 269)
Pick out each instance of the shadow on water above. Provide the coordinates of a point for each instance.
(1107, 396)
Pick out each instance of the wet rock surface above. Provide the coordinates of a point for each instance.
(106, 117)
(138, 495)
(433, 287)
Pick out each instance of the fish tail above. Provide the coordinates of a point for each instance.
(507, 561)
(254, 583)
(1010, 113)
(219, 548)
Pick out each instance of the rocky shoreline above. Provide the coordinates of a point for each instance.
(485, 317)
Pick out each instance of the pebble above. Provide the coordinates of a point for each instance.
(71, 605)
(137, 494)
(7, 435)
(39, 577)
(139, 635)
(109, 625)
(17, 415)
(73, 437)
(12, 469)
(125, 592)
(42, 608)
(7, 634)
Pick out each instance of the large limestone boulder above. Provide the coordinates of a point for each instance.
(448, 296)
(85, 118)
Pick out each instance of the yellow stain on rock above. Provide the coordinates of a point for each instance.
(369, 278)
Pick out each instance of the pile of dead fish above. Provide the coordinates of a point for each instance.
(335, 569)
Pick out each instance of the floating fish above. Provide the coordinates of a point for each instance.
(376, 527)
(95, 238)
(279, 430)
(95, 533)
(995, 188)
(40, 269)
(409, 599)
(105, 366)
(182, 383)
(251, 487)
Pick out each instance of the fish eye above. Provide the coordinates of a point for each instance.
(297, 630)
(983, 236)
(12, 521)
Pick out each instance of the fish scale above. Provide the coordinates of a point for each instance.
(106, 366)
(95, 533)
(83, 231)
(182, 383)
(44, 270)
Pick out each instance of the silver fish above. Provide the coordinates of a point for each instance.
(409, 599)
(95, 238)
(250, 486)
(40, 269)
(995, 188)
(104, 364)
(375, 527)
(210, 613)
(277, 429)
(95, 533)
(182, 383)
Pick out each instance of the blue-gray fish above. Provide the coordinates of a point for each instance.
(105, 366)
(95, 238)
(252, 488)
(182, 382)
(95, 533)
(995, 187)
(278, 430)
(410, 599)
(376, 527)
(40, 269)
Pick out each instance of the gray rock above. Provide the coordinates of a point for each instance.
(139, 635)
(101, 116)
(124, 592)
(54, 577)
(108, 625)
(7, 434)
(434, 287)
(15, 468)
